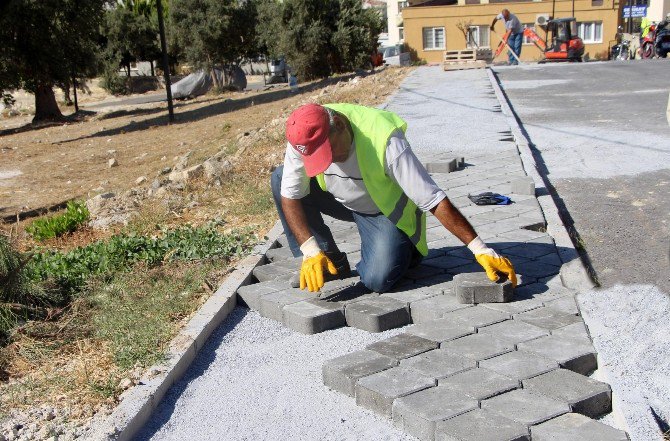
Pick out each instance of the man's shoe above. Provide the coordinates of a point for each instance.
(341, 263)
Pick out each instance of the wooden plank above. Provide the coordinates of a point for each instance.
(461, 65)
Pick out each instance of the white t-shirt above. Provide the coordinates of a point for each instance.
(513, 23)
(344, 180)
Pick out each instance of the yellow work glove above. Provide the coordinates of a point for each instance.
(492, 263)
(313, 263)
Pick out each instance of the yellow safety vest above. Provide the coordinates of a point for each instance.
(372, 129)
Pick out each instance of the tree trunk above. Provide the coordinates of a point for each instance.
(46, 108)
(152, 68)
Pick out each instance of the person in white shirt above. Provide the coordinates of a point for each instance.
(515, 39)
(354, 163)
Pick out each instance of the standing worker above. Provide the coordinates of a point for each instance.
(353, 163)
(515, 39)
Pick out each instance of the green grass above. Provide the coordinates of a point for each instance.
(75, 215)
(137, 310)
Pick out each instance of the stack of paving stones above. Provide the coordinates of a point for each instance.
(479, 362)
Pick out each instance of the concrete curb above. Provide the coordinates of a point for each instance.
(140, 401)
(574, 274)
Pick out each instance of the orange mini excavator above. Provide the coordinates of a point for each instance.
(561, 44)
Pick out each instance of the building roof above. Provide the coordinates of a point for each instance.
(434, 3)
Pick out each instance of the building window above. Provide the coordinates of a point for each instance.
(590, 31)
(478, 36)
(402, 5)
(433, 38)
(531, 26)
(401, 34)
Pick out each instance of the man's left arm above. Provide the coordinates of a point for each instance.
(406, 169)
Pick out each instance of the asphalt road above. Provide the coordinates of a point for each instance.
(600, 129)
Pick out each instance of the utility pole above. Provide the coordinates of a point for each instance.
(166, 66)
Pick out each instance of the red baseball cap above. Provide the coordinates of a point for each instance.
(307, 131)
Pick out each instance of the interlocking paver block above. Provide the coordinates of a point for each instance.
(440, 330)
(418, 413)
(272, 271)
(547, 318)
(479, 383)
(377, 391)
(422, 272)
(514, 331)
(477, 288)
(272, 305)
(377, 314)
(478, 346)
(413, 295)
(517, 305)
(585, 395)
(476, 316)
(342, 373)
(525, 407)
(480, 425)
(434, 308)
(519, 365)
(523, 186)
(572, 427)
(438, 364)
(575, 354)
(314, 316)
(402, 346)
(280, 253)
(575, 330)
(251, 294)
(565, 304)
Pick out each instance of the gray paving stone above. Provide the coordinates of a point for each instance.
(514, 331)
(547, 318)
(272, 271)
(418, 413)
(572, 426)
(442, 166)
(436, 280)
(434, 308)
(480, 425)
(342, 373)
(314, 316)
(477, 316)
(447, 262)
(283, 241)
(280, 253)
(377, 314)
(525, 407)
(531, 250)
(536, 269)
(440, 330)
(479, 383)
(402, 346)
(422, 272)
(272, 305)
(377, 391)
(565, 304)
(251, 294)
(575, 330)
(413, 295)
(575, 354)
(519, 365)
(585, 395)
(478, 347)
(477, 288)
(438, 364)
(516, 306)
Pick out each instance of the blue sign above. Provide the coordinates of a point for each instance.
(635, 11)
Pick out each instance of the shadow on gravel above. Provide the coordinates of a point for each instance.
(202, 361)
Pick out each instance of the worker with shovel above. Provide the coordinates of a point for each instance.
(514, 26)
(353, 163)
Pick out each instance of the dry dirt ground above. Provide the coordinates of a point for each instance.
(67, 161)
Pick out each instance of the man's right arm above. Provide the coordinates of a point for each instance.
(493, 23)
(296, 219)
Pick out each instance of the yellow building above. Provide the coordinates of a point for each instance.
(434, 26)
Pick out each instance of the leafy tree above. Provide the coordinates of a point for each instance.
(214, 32)
(319, 37)
(46, 43)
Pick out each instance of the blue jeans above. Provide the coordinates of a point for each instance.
(514, 41)
(386, 252)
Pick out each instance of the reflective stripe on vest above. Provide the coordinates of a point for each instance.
(372, 129)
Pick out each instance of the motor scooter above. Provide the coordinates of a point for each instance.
(647, 47)
(620, 51)
(662, 43)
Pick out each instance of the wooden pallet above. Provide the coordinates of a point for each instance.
(466, 59)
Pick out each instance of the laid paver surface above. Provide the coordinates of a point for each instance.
(481, 355)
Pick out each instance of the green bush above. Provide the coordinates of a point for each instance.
(68, 272)
(114, 83)
(75, 214)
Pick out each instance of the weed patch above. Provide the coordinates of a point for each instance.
(75, 214)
